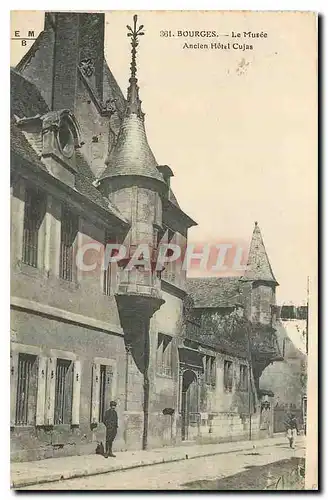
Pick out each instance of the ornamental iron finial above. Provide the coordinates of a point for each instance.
(134, 103)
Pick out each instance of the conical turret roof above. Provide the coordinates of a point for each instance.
(258, 266)
(131, 154)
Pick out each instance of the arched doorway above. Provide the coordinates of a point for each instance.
(189, 402)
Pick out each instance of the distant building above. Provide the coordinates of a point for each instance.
(183, 358)
(287, 379)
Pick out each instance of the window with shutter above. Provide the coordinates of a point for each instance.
(105, 390)
(243, 378)
(164, 355)
(209, 370)
(69, 230)
(103, 387)
(63, 392)
(28, 385)
(50, 390)
(13, 386)
(170, 267)
(41, 395)
(76, 392)
(228, 375)
(26, 393)
(95, 393)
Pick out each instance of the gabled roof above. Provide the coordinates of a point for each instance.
(214, 292)
(258, 266)
(45, 44)
(26, 101)
(19, 145)
(25, 98)
(226, 291)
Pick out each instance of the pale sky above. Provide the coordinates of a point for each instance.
(238, 128)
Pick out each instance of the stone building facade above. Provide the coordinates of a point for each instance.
(83, 176)
(288, 378)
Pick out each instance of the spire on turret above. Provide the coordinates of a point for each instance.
(258, 265)
(133, 101)
(132, 155)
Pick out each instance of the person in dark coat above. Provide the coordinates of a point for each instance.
(291, 428)
(111, 423)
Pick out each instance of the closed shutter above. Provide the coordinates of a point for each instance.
(95, 393)
(41, 390)
(13, 386)
(50, 390)
(76, 393)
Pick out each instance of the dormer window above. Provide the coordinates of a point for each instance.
(60, 134)
(66, 139)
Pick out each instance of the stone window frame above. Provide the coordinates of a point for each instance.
(243, 387)
(66, 208)
(35, 192)
(19, 192)
(108, 277)
(95, 386)
(226, 387)
(49, 414)
(170, 270)
(161, 370)
(210, 373)
(16, 349)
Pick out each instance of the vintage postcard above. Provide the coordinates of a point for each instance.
(163, 250)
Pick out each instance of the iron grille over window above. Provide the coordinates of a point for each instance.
(26, 389)
(63, 392)
(105, 386)
(164, 355)
(243, 379)
(33, 216)
(69, 229)
(228, 377)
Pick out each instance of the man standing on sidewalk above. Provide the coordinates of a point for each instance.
(111, 423)
(291, 428)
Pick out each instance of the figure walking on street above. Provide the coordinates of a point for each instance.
(111, 423)
(291, 428)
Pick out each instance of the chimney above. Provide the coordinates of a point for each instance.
(79, 41)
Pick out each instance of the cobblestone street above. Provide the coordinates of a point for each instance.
(177, 475)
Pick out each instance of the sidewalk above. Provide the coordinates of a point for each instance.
(56, 469)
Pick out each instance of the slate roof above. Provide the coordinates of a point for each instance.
(111, 89)
(26, 101)
(131, 154)
(173, 199)
(85, 187)
(258, 265)
(20, 146)
(214, 292)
